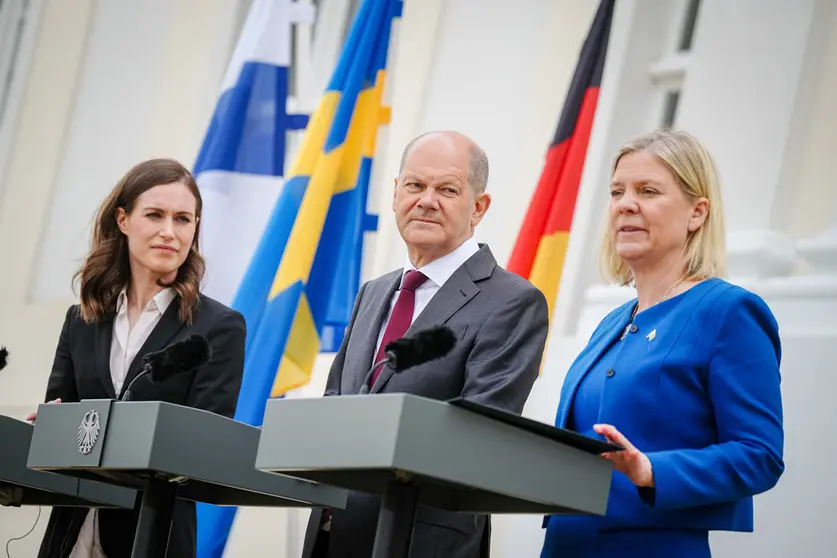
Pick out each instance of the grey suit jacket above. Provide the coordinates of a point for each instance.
(500, 321)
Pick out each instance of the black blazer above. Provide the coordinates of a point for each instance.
(82, 371)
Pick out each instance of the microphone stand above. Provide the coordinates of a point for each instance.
(365, 388)
(126, 395)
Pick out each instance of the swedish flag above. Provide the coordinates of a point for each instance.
(299, 288)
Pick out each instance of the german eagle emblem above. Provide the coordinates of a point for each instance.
(88, 432)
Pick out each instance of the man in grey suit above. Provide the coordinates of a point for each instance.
(500, 321)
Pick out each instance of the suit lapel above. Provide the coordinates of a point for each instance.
(104, 336)
(450, 298)
(374, 307)
(165, 330)
(454, 294)
(590, 357)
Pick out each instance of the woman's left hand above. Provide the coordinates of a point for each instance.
(630, 461)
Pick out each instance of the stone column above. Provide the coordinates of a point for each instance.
(753, 68)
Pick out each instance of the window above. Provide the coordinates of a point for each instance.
(17, 36)
(687, 30)
(669, 72)
(12, 22)
(670, 108)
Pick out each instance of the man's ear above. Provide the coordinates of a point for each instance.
(394, 191)
(481, 205)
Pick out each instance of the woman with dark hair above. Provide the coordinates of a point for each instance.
(139, 292)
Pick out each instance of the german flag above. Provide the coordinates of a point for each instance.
(541, 245)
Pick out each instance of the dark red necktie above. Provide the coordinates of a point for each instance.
(402, 315)
(399, 323)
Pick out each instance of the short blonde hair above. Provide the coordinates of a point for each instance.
(694, 170)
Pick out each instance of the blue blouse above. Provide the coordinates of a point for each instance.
(684, 366)
(581, 536)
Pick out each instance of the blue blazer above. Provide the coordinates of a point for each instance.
(700, 398)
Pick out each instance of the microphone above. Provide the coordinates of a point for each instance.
(178, 358)
(424, 346)
(4, 357)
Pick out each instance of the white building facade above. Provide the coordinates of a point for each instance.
(91, 87)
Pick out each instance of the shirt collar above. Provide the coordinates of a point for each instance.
(441, 269)
(160, 301)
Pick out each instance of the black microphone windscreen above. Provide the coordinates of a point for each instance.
(4, 357)
(425, 345)
(180, 357)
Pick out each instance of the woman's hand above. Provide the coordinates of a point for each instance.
(31, 418)
(630, 461)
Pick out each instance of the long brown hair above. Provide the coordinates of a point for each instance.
(107, 270)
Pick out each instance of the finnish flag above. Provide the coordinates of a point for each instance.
(241, 163)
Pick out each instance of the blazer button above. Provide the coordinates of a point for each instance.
(610, 372)
(634, 328)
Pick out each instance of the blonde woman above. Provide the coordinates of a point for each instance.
(685, 376)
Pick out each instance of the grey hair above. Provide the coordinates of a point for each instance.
(477, 167)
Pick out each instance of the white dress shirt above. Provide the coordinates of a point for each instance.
(124, 346)
(437, 272)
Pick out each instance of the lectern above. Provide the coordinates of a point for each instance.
(457, 456)
(168, 451)
(20, 486)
